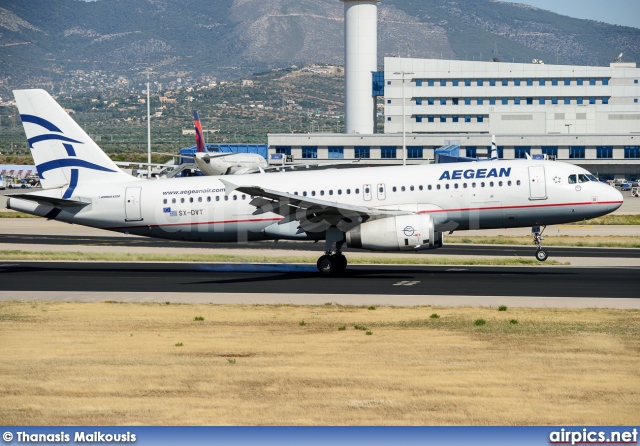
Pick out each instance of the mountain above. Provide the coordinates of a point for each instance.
(72, 45)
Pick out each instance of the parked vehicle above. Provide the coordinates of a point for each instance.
(625, 186)
(3, 184)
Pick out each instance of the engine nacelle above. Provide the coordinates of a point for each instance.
(401, 233)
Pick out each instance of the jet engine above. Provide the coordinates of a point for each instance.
(400, 233)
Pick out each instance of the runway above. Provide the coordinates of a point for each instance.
(398, 285)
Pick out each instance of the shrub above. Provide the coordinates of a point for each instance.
(198, 318)
(179, 344)
(502, 308)
(371, 307)
(369, 333)
(302, 323)
(343, 328)
(513, 321)
(434, 316)
(479, 322)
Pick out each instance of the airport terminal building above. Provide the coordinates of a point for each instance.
(585, 115)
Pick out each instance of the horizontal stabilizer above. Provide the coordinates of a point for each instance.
(49, 201)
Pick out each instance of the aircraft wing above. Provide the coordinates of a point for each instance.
(127, 163)
(313, 214)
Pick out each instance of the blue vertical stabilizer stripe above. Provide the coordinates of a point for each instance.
(41, 122)
(49, 137)
(69, 149)
(72, 184)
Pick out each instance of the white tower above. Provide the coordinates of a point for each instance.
(360, 60)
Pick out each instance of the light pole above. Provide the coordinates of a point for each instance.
(404, 135)
(148, 131)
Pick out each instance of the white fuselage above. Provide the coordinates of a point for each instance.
(230, 164)
(460, 196)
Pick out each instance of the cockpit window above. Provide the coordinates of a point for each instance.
(593, 178)
(572, 179)
(582, 178)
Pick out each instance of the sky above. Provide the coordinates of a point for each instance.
(616, 12)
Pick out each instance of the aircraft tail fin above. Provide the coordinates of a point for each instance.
(199, 136)
(62, 152)
(494, 148)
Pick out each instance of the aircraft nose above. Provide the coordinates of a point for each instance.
(614, 198)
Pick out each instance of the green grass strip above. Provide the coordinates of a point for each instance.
(612, 219)
(221, 258)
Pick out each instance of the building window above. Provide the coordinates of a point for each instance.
(443, 82)
(592, 100)
(443, 118)
(467, 82)
(471, 152)
(516, 101)
(550, 151)
(480, 118)
(554, 101)
(492, 101)
(605, 81)
(632, 152)
(576, 152)
(430, 118)
(579, 101)
(579, 81)
(310, 152)
(418, 101)
(501, 152)
(429, 82)
(388, 118)
(414, 152)
(529, 101)
(516, 82)
(592, 81)
(285, 150)
(567, 101)
(454, 101)
(361, 152)
(454, 118)
(541, 102)
(467, 101)
(529, 82)
(418, 118)
(541, 82)
(418, 82)
(554, 81)
(388, 152)
(492, 82)
(604, 152)
(467, 118)
(567, 81)
(430, 101)
(505, 82)
(336, 152)
(443, 101)
(605, 100)
(480, 82)
(479, 101)
(454, 82)
(505, 101)
(521, 152)
(388, 101)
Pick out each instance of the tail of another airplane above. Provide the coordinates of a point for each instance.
(63, 153)
(199, 137)
(494, 148)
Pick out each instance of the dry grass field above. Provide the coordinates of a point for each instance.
(155, 364)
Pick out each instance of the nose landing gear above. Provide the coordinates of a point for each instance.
(541, 254)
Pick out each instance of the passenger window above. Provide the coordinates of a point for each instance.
(357, 191)
(173, 200)
(402, 188)
(473, 184)
(455, 185)
(518, 183)
(438, 187)
(348, 191)
(235, 197)
(572, 179)
(381, 189)
(226, 198)
(304, 194)
(218, 198)
(182, 200)
(509, 183)
(165, 201)
(244, 196)
(500, 183)
(190, 199)
(482, 184)
(411, 188)
(446, 186)
(339, 191)
(367, 190)
(429, 187)
(464, 185)
(491, 183)
(199, 199)
(420, 187)
(209, 199)
(322, 192)
(331, 192)
(313, 193)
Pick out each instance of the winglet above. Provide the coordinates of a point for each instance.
(494, 148)
(228, 186)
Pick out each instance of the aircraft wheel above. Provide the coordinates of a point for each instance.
(340, 262)
(326, 265)
(541, 255)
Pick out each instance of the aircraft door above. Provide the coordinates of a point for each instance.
(537, 183)
(366, 190)
(132, 205)
(382, 191)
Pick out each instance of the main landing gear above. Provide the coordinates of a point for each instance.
(333, 263)
(541, 254)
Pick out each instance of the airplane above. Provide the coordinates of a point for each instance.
(221, 163)
(392, 208)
